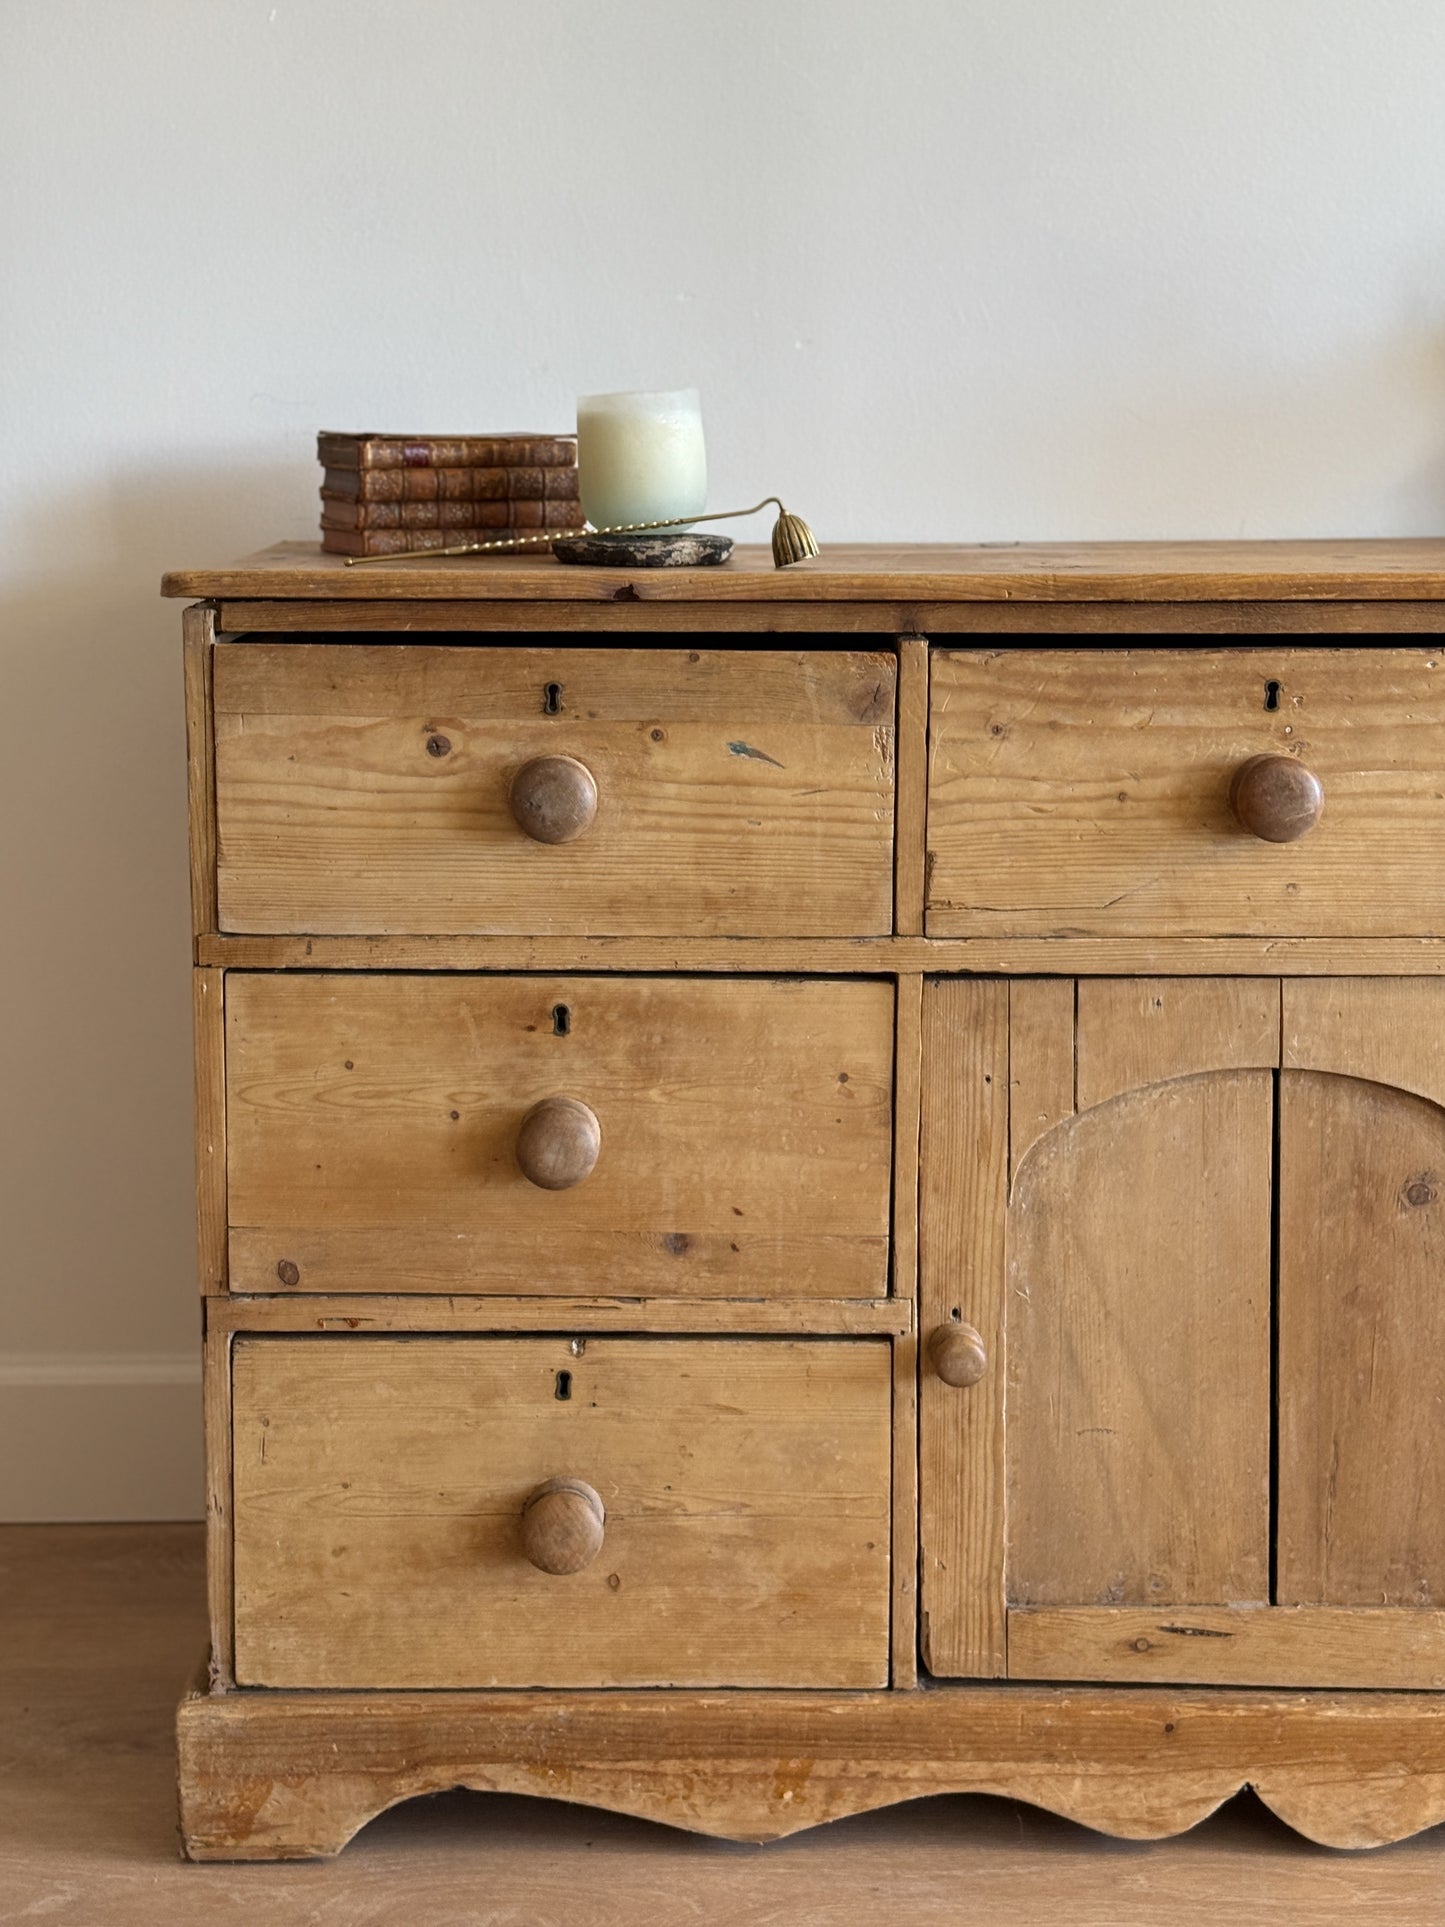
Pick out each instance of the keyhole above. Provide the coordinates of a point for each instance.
(561, 1020)
(564, 1385)
(552, 699)
(1271, 695)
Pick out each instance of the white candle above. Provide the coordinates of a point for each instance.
(640, 457)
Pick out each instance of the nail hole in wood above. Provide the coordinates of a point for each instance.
(564, 1385)
(561, 1019)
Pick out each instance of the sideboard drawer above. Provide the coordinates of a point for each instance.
(1089, 793)
(742, 1535)
(427, 789)
(676, 1137)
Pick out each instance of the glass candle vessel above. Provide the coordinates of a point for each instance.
(640, 457)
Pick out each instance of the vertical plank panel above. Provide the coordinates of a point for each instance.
(1391, 1030)
(907, 1097)
(1361, 1342)
(216, 1406)
(963, 1193)
(1134, 1031)
(911, 801)
(903, 1672)
(1041, 1061)
(198, 635)
(209, 1027)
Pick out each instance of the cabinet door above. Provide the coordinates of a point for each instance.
(1152, 1202)
(1096, 1207)
(1362, 1321)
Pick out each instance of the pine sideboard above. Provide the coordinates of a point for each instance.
(824, 1185)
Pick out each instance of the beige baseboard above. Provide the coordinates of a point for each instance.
(113, 1435)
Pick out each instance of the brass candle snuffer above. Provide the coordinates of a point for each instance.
(793, 540)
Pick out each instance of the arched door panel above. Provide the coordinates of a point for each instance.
(1138, 1309)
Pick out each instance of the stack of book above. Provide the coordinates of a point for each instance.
(400, 494)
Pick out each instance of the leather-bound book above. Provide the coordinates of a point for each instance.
(506, 518)
(339, 513)
(372, 451)
(497, 484)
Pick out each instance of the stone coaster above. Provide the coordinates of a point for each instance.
(688, 551)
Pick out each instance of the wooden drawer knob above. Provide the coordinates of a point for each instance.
(559, 1143)
(1276, 798)
(554, 798)
(562, 1525)
(957, 1354)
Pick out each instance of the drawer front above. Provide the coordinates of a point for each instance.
(374, 789)
(1089, 793)
(432, 1133)
(384, 1537)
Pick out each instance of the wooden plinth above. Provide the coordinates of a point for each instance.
(282, 1776)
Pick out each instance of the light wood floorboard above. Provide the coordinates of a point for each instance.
(100, 1625)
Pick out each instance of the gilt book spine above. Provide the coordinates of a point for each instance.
(498, 484)
(339, 512)
(508, 518)
(370, 451)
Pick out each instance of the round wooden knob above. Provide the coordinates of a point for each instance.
(554, 798)
(957, 1354)
(1276, 798)
(559, 1143)
(562, 1525)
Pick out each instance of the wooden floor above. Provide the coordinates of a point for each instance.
(99, 1626)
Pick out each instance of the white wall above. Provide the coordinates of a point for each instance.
(985, 269)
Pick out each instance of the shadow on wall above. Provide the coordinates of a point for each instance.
(95, 1116)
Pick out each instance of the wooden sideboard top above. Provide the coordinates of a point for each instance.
(1396, 569)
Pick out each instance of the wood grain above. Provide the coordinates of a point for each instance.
(1284, 1646)
(263, 1775)
(726, 956)
(746, 1134)
(646, 625)
(903, 1642)
(1389, 1033)
(907, 1121)
(208, 1029)
(1361, 1346)
(358, 681)
(1134, 1031)
(295, 1311)
(1042, 1070)
(1182, 621)
(1138, 1351)
(664, 621)
(365, 789)
(378, 1485)
(198, 635)
(1087, 793)
(961, 1247)
(911, 809)
(1128, 572)
(220, 1595)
